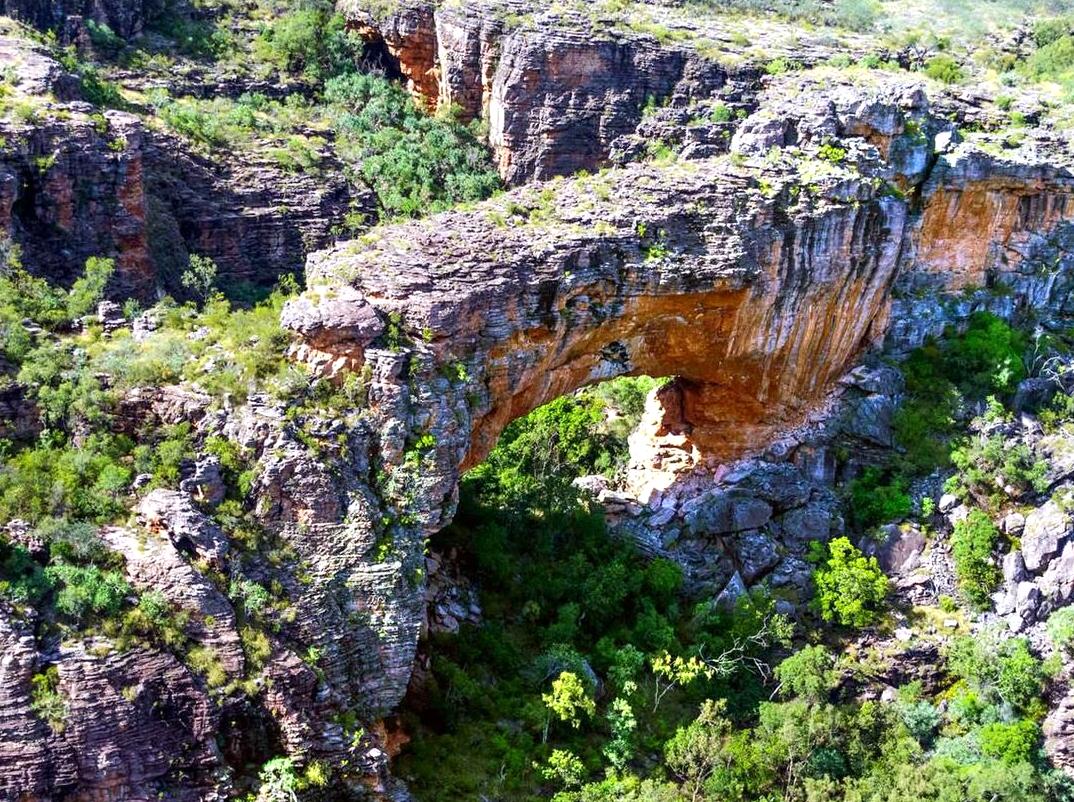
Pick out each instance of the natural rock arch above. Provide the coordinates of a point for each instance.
(705, 278)
(758, 280)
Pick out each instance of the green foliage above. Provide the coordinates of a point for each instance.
(987, 360)
(21, 579)
(46, 700)
(415, 162)
(922, 720)
(569, 699)
(1001, 671)
(1011, 743)
(86, 591)
(88, 290)
(200, 277)
(27, 298)
(63, 481)
(875, 500)
(943, 68)
(851, 588)
(988, 465)
(806, 674)
(972, 543)
(1061, 628)
(311, 40)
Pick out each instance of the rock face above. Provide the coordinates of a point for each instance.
(125, 17)
(560, 89)
(75, 184)
(538, 305)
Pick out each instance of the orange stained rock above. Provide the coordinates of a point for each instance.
(964, 232)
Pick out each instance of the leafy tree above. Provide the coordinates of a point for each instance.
(922, 719)
(21, 578)
(622, 723)
(807, 674)
(1003, 670)
(415, 162)
(695, 752)
(311, 40)
(565, 767)
(972, 543)
(851, 588)
(46, 699)
(569, 699)
(88, 290)
(200, 277)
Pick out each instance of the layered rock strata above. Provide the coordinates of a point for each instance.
(758, 278)
(76, 183)
(562, 88)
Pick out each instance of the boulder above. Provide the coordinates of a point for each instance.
(191, 530)
(1014, 567)
(343, 315)
(205, 482)
(1027, 601)
(1046, 530)
(756, 552)
(732, 591)
(1057, 582)
(811, 522)
(899, 548)
(721, 512)
(1013, 523)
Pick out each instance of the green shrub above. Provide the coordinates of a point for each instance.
(851, 588)
(88, 289)
(1061, 628)
(1003, 671)
(1047, 31)
(86, 591)
(875, 501)
(21, 578)
(312, 41)
(1015, 742)
(944, 68)
(66, 482)
(1052, 61)
(806, 674)
(922, 719)
(972, 543)
(46, 700)
(986, 466)
(415, 162)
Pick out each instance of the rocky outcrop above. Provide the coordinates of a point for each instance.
(77, 182)
(758, 279)
(125, 17)
(561, 89)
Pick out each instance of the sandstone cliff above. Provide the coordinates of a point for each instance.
(77, 182)
(561, 88)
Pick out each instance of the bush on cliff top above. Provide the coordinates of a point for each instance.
(416, 162)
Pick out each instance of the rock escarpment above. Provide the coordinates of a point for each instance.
(125, 17)
(76, 182)
(758, 279)
(562, 90)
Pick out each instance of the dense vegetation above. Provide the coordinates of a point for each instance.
(592, 677)
(84, 469)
